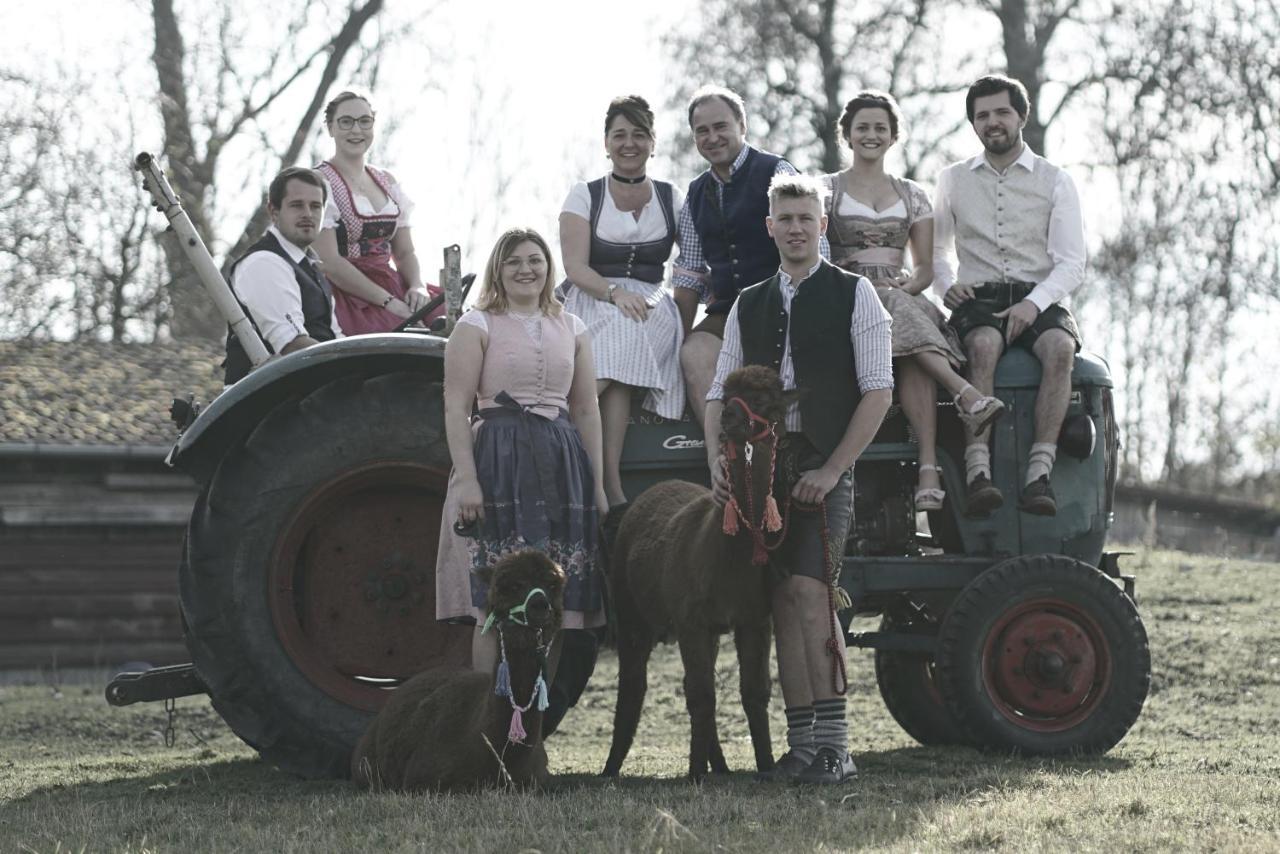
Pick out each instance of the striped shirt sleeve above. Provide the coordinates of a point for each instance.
(730, 358)
(871, 334)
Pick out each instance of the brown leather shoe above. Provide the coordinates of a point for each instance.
(981, 497)
(1037, 498)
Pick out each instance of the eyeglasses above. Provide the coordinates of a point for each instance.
(347, 122)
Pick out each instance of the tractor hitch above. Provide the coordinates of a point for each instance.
(158, 683)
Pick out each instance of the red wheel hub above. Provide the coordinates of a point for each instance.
(1046, 665)
(352, 583)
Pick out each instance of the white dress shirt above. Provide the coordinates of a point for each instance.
(267, 286)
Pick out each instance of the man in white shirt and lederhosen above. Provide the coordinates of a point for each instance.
(1018, 234)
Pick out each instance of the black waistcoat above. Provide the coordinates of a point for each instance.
(821, 352)
(641, 261)
(735, 240)
(317, 308)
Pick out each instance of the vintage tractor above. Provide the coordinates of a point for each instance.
(307, 578)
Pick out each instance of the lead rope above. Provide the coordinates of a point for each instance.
(839, 675)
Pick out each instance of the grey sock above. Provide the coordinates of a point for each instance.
(830, 728)
(800, 732)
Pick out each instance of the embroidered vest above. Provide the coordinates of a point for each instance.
(735, 240)
(821, 352)
(317, 309)
(359, 235)
(1002, 222)
(641, 261)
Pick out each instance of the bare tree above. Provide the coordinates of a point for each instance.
(206, 107)
(795, 63)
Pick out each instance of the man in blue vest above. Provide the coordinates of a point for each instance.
(724, 246)
(827, 335)
(286, 297)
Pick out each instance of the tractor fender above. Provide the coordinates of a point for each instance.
(231, 415)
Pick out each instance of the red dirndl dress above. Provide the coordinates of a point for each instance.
(365, 241)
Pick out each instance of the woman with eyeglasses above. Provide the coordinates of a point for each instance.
(366, 227)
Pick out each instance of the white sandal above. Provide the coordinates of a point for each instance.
(984, 411)
(930, 498)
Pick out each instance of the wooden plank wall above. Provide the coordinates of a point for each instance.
(88, 563)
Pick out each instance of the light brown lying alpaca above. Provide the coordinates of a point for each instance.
(431, 735)
(674, 571)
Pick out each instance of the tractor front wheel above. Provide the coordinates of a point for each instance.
(1044, 655)
(308, 587)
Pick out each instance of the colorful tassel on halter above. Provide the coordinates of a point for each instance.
(730, 526)
(772, 518)
(540, 687)
(516, 734)
(502, 686)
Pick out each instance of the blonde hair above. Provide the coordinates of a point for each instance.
(493, 296)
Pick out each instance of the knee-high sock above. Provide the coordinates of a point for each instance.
(800, 732)
(1041, 460)
(977, 461)
(830, 727)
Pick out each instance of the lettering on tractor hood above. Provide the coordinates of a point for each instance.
(679, 443)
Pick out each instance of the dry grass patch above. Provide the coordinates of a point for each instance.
(1198, 771)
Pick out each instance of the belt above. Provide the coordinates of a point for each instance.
(1010, 291)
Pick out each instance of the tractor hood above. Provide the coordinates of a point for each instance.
(1020, 369)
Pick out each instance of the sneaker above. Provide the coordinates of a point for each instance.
(982, 497)
(1037, 498)
(829, 767)
(788, 767)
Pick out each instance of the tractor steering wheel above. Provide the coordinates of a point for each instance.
(433, 304)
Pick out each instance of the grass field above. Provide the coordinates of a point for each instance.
(1199, 771)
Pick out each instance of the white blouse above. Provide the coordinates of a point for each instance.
(849, 206)
(397, 203)
(616, 226)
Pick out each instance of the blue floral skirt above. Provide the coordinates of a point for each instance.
(539, 492)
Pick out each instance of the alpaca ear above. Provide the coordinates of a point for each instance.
(485, 574)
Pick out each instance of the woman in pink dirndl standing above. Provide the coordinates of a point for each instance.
(366, 226)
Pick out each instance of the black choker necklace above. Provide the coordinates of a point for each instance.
(621, 180)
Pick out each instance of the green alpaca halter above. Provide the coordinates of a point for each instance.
(518, 614)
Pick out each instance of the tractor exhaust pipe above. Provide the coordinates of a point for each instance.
(166, 201)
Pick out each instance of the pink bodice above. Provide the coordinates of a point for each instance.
(534, 368)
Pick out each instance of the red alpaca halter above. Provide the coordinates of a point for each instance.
(772, 520)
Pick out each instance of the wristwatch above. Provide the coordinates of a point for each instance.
(609, 294)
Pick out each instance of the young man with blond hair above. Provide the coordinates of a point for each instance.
(827, 335)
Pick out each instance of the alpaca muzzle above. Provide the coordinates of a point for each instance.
(534, 612)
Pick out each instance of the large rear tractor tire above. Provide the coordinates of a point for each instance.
(1044, 655)
(910, 693)
(308, 587)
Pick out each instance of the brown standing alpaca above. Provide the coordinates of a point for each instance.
(431, 735)
(674, 571)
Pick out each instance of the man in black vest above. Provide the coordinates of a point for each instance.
(288, 300)
(724, 246)
(827, 335)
